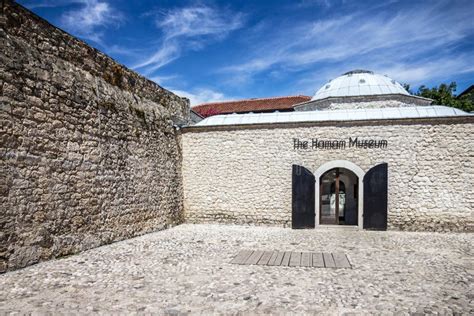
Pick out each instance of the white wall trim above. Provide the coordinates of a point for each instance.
(347, 165)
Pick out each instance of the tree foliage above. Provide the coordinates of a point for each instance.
(443, 95)
(407, 87)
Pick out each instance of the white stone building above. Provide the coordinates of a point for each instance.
(362, 153)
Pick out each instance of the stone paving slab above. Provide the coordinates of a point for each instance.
(187, 270)
(296, 259)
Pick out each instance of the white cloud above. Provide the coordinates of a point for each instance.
(162, 79)
(418, 73)
(162, 56)
(90, 18)
(415, 73)
(201, 95)
(115, 49)
(309, 3)
(415, 39)
(198, 21)
(188, 28)
(48, 3)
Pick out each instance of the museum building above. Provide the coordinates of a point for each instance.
(361, 153)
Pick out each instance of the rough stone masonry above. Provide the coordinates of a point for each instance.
(89, 154)
(242, 174)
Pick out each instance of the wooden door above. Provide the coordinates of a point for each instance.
(303, 198)
(375, 197)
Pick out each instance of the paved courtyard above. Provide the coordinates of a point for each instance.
(187, 269)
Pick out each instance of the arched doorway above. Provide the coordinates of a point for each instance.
(369, 190)
(339, 194)
(338, 197)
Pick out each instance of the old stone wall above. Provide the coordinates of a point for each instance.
(244, 174)
(88, 150)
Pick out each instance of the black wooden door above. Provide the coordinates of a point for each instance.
(302, 198)
(375, 198)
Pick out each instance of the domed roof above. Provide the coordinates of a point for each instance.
(358, 83)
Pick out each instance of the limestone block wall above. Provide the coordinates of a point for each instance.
(88, 150)
(243, 174)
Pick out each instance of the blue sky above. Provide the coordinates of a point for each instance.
(222, 50)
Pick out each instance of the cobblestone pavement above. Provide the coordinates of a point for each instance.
(186, 269)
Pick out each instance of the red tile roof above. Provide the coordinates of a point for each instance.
(250, 105)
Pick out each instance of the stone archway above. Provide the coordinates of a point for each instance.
(346, 165)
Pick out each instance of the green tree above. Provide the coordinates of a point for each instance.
(407, 87)
(443, 95)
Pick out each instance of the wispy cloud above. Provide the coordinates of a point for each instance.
(164, 54)
(33, 4)
(292, 47)
(395, 41)
(415, 73)
(161, 79)
(188, 28)
(199, 21)
(201, 95)
(309, 3)
(90, 18)
(120, 50)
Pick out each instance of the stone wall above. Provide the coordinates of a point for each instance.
(89, 154)
(364, 102)
(243, 174)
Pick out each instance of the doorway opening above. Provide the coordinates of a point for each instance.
(338, 197)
